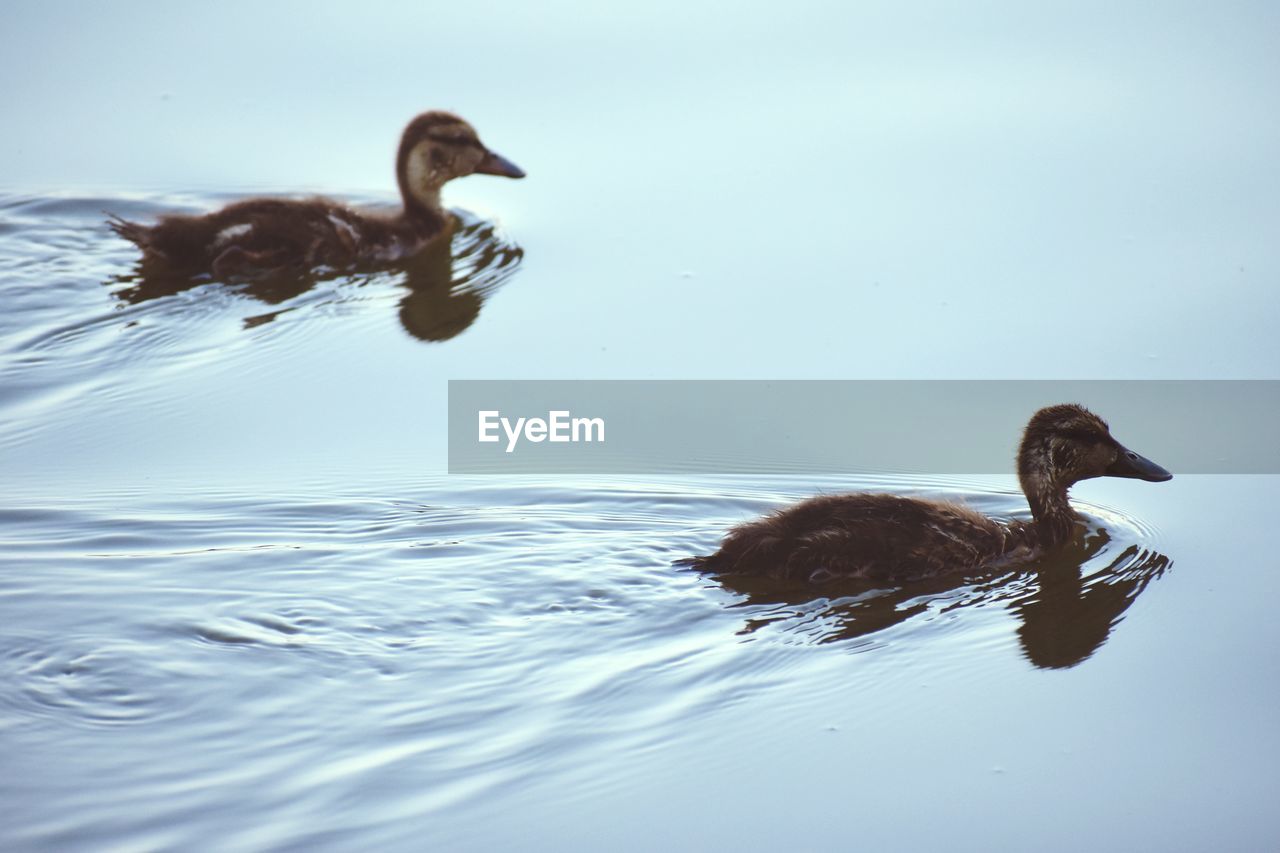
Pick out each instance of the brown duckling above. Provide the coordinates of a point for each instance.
(267, 234)
(880, 537)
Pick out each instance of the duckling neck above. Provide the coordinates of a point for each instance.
(420, 195)
(422, 204)
(423, 218)
(1053, 518)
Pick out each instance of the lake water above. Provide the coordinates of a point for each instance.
(243, 606)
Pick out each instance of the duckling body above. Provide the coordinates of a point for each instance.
(891, 538)
(877, 537)
(267, 234)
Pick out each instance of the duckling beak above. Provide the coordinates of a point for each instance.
(1136, 466)
(496, 164)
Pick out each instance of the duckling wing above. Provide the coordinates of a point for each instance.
(874, 537)
(253, 235)
(271, 233)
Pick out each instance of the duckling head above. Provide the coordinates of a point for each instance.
(437, 147)
(1065, 444)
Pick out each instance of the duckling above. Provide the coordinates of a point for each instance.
(262, 235)
(890, 538)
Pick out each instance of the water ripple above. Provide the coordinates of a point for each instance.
(450, 643)
(64, 335)
(87, 680)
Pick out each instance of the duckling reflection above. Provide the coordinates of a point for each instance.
(1068, 615)
(446, 283)
(1068, 602)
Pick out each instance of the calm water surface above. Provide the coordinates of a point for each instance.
(242, 606)
(483, 665)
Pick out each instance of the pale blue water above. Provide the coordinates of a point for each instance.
(242, 606)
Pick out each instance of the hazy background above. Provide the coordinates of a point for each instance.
(871, 190)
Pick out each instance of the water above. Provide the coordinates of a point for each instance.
(305, 670)
(242, 606)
